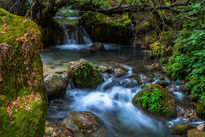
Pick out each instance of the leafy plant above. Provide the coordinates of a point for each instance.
(189, 60)
(151, 100)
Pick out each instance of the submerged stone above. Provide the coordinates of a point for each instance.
(22, 91)
(157, 100)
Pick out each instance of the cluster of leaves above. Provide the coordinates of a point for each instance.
(189, 61)
(152, 102)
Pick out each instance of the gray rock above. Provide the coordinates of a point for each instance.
(200, 127)
(97, 47)
(55, 84)
(84, 124)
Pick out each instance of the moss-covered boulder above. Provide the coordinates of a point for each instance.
(157, 100)
(200, 110)
(195, 133)
(84, 74)
(104, 28)
(84, 124)
(181, 129)
(22, 91)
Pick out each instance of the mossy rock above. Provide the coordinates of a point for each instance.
(200, 110)
(84, 74)
(104, 28)
(22, 91)
(195, 133)
(181, 129)
(157, 100)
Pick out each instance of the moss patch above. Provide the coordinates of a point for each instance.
(155, 99)
(23, 104)
(103, 28)
(180, 129)
(84, 74)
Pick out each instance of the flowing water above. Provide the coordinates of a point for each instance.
(112, 99)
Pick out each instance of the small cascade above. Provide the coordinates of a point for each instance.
(70, 85)
(76, 35)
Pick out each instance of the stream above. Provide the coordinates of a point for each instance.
(111, 101)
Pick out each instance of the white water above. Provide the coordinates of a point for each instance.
(112, 102)
(76, 35)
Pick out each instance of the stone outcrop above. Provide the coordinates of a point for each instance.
(23, 98)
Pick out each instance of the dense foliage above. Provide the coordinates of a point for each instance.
(188, 61)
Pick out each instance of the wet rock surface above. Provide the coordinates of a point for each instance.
(56, 85)
(84, 123)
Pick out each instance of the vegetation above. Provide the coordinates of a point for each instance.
(188, 60)
(22, 93)
(156, 100)
(173, 30)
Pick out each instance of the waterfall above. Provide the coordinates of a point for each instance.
(76, 35)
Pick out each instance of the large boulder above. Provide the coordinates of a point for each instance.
(84, 124)
(157, 100)
(56, 85)
(23, 98)
(195, 133)
(181, 129)
(84, 74)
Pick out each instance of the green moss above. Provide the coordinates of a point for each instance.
(155, 99)
(21, 75)
(200, 110)
(106, 28)
(195, 133)
(180, 129)
(86, 75)
(26, 123)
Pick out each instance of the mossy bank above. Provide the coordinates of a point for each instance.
(22, 92)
